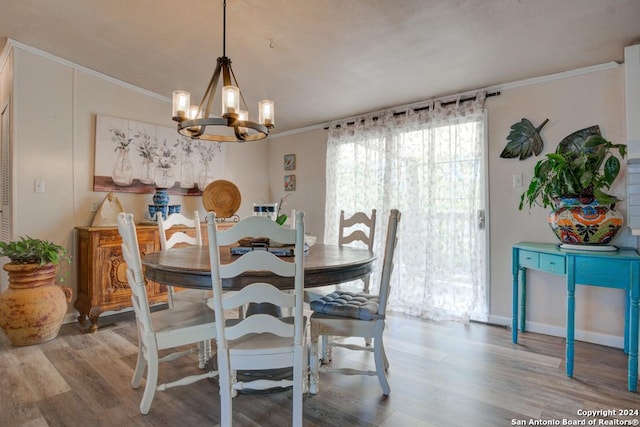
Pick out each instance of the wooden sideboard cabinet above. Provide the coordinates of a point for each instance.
(102, 280)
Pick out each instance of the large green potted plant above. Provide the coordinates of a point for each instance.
(573, 181)
(33, 307)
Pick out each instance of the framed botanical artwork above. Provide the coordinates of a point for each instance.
(289, 183)
(289, 162)
(138, 157)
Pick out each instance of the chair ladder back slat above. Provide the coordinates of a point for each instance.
(262, 260)
(348, 234)
(259, 324)
(257, 292)
(253, 226)
(179, 236)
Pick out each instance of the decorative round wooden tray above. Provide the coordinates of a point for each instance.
(221, 197)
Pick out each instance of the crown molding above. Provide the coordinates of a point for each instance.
(555, 76)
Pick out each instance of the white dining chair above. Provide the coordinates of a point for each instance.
(160, 330)
(349, 314)
(357, 230)
(180, 237)
(261, 341)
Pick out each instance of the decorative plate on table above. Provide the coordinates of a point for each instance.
(221, 197)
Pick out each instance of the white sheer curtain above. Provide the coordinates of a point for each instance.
(428, 164)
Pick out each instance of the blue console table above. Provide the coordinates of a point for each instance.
(618, 269)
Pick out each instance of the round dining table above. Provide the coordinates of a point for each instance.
(189, 267)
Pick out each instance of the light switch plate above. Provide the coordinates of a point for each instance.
(38, 185)
(517, 180)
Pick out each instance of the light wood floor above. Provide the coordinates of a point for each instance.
(441, 374)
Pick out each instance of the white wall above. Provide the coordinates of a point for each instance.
(310, 149)
(570, 103)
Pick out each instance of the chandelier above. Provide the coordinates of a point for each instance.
(234, 124)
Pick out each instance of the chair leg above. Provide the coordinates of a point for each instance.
(234, 379)
(382, 364)
(384, 357)
(314, 362)
(306, 371)
(365, 288)
(141, 365)
(204, 352)
(326, 356)
(207, 350)
(300, 368)
(170, 297)
(226, 379)
(151, 384)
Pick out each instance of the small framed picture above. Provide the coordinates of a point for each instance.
(289, 162)
(289, 183)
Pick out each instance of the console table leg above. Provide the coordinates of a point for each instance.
(523, 299)
(632, 336)
(514, 319)
(571, 307)
(514, 295)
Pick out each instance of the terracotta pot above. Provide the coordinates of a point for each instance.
(583, 221)
(32, 309)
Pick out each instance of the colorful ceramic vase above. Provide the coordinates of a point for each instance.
(32, 309)
(583, 221)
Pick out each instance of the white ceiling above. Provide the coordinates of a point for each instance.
(321, 60)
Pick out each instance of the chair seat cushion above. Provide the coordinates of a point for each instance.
(348, 304)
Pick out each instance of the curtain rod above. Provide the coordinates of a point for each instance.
(426, 107)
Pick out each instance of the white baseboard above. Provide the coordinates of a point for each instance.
(560, 331)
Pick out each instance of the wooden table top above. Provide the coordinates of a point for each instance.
(324, 265)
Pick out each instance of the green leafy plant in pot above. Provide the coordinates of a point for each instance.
(573, 181)
(33, 307)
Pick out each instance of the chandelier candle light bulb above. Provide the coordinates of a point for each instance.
(243, 116)
(194, 112)
(230, 100)
(181, 100)
(265, 110)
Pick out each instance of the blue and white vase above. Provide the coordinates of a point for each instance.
(161, 197)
